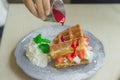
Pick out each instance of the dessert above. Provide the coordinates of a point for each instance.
(37, 51)
(70, 48)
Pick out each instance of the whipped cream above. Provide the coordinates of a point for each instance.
(89, 55)
(35, 55)
(77, 60)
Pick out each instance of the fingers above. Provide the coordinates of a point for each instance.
(40, 9)
(31, 7)
(46, 4)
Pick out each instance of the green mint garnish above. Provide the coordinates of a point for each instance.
(37, 39)
(45, 40)
(44, 48)
(43, 44)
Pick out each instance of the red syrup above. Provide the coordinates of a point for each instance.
(59, 17)
(62, 38)
(74, 46)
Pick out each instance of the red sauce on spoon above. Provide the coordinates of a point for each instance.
(59, 16)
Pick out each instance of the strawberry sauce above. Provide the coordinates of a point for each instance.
(62, 38)
(74, 45)
(59, 16)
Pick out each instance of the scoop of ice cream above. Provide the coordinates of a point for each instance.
(35, 55)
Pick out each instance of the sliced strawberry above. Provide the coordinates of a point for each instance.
(60, 59)
(86, 38)
(68, 56)
(81, 54)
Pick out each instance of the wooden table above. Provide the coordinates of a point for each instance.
(103, 20)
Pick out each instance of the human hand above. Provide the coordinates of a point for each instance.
(39, 8)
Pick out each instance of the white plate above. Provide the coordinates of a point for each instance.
(51, 73)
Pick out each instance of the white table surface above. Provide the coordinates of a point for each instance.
(103, 20)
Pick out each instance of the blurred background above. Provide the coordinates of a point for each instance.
(4, 6)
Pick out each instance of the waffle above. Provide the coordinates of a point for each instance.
(61, 45)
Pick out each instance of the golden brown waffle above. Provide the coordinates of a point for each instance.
(68, 64)
(60, 48)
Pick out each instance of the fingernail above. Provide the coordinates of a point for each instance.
(47, 12)
(43, 18)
